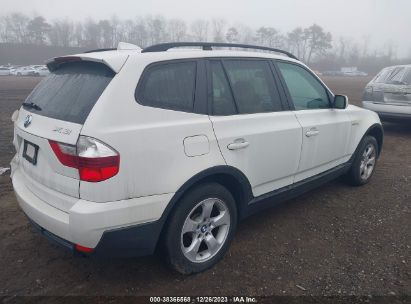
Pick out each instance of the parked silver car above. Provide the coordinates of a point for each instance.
(389, 93)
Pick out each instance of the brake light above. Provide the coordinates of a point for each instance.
(94, 160)
(83, 248)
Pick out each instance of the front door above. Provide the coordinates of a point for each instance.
(325, 130)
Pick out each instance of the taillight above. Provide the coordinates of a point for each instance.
(83, 248)
(94, 160)
(65, 153)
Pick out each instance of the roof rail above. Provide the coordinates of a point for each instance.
(100, 50)
(207, 46)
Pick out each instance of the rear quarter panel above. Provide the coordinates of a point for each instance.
(149, 140)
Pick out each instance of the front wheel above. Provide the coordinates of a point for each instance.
(364, 162)
(200, 228)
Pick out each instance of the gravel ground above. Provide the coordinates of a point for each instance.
(335, 240)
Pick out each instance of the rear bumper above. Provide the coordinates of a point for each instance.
(120, 228)
(389, 111)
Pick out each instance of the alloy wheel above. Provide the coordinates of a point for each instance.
(368, 160)
(205, 230)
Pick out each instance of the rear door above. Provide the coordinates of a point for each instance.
(56, 111)
(325, 130)
(255, 132)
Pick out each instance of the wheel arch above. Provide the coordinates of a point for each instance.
(233, 179)
(377, 132)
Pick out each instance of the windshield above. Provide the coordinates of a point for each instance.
(70, 92)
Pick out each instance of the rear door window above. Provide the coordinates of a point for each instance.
(221, 96)
(253, 86)
(168, 86)
(70, 92)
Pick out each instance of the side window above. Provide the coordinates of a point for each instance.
(305, 90)
(407, 77)
(397, 76)
(168, 86)
(221, 97)
(253, 86)
(383, 75)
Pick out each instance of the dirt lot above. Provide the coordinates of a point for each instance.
(336, 240)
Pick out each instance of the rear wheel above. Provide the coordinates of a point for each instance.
(200, 228)
(364, 162)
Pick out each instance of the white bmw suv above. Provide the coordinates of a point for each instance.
(121, 152)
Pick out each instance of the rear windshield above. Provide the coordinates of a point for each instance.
(70, 92)
(397, 75)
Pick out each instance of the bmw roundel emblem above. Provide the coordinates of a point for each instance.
(27, 120)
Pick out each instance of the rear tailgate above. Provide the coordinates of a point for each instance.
(56, 111)
(44, 175)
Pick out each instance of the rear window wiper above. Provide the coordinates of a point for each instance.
(31, 105)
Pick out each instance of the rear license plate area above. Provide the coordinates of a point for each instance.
(30, 152)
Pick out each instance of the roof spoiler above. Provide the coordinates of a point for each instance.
(114, 62)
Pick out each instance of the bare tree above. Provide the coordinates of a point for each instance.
(232, 35)
(78, 39)
(140, 33)
(116, 33)
(177, 30)
(156, 27)
(295, 41)
(199, 30)
(127, 28)
(61, 33)
(16, 28)
(366, 44)
(269, 36)
(91, 33)
(4, 29)
(106, 34)
(218, 29)
(312, 44)
(245, 33)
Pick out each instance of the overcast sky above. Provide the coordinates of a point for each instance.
(382, 20)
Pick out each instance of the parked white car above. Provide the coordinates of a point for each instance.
(122, 151)
(4, 71)
(354, 73)
(389, 93)
(25, 71)
(42, 71)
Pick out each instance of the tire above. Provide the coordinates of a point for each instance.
(201, 246)
(364, 163)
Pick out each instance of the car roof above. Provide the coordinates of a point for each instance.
(399, 66)
(115, 58)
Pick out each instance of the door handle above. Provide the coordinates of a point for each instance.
(312, 132)
(238, 144)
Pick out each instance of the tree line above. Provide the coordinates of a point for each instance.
(311, 44)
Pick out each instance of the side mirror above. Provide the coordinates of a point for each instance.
(340, 102)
